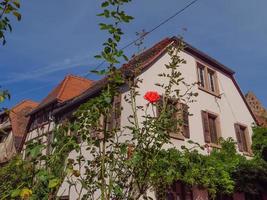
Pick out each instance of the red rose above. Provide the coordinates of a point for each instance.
(152, 96)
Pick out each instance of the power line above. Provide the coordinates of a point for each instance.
(132, 42)
(150, 31)
(160, 24)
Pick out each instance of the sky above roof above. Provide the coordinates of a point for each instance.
(56, 38)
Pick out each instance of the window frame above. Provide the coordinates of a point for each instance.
(207, 88)
(207, 139)
(247, 141)
(179, 133)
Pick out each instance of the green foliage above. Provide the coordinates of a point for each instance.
(39, 175)
(259, 144)
(251, 176)
(14, 177)
(212, 172)
(8, 7)
(4, 94)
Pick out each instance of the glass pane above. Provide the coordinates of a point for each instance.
(201, 76)
(211, 78)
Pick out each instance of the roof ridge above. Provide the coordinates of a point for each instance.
(23, 101)
(80, 78)
(67, 78)
(64, 82)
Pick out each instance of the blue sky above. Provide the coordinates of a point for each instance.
(56, 38)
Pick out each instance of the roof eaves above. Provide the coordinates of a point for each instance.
(42, 106)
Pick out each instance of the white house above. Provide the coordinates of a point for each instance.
(220, 109)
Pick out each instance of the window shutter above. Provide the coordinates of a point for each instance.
(238, 137)
(206, 130)
(117, 112)
(185, 114)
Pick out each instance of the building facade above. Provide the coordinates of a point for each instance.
(42, 121)
(220, 109)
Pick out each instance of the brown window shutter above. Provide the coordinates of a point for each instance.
(117, 111)
(238, 137)
(206, 130)
(185, 114)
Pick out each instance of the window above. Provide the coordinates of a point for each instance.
(242, 137)
(211, 80)
(207, 79)
(179, 191)
(211, 127)
(201, 75)
(179, 118)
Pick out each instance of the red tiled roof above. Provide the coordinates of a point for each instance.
(67, 89)
(19, 120)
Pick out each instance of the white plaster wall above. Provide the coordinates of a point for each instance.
(230, 107)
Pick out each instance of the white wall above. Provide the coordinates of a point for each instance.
(230, 107)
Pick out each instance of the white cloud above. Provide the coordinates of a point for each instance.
(40, 72)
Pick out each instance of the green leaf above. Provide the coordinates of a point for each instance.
(100, 72)
(105, 4)
(17, 4)
(15, 193)
(18, 15)
(98, 56)
(53, 183)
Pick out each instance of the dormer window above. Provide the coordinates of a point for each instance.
(207, 79)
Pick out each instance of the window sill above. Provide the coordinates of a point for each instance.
(177, 136)
(217, 95)
(213, 145)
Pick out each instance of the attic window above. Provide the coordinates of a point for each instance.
(207, 79)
